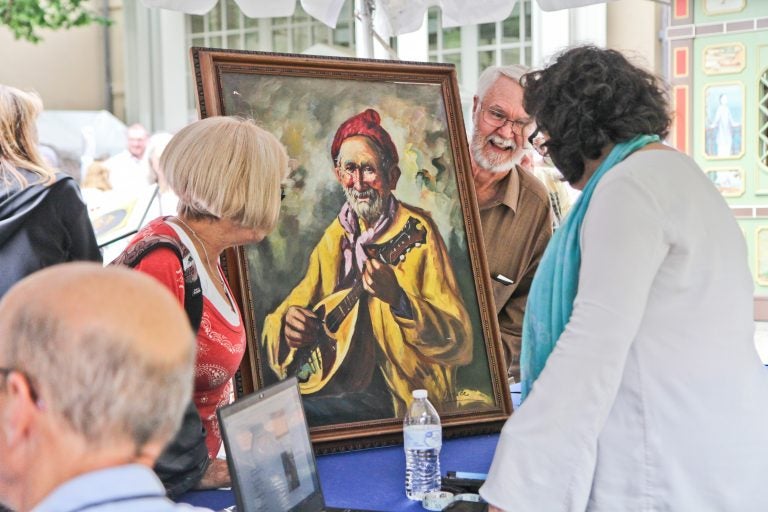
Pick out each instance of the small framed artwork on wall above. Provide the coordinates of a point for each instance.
(724, 115)
(729, 181)
(712, 7)
(721, 59)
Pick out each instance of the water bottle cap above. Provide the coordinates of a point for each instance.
(419, 393)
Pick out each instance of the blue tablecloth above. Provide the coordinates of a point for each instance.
(374, 479)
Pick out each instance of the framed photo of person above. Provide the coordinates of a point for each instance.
(378, 252)
(724, 120)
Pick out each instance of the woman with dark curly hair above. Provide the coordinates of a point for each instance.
(641, 383)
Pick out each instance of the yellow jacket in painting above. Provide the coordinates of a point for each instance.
(422, 352)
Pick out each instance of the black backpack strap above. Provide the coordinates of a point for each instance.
(193, 291)
(185, 459)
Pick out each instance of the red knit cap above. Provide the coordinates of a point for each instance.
(367, 124)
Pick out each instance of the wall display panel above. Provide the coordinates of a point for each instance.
(715, 7)
(729, 181)
(721, 59)
(724, 115)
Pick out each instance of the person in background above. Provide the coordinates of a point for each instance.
(78, 432)
(128, 170)
(642, 388)
(96, 188)
(165, 201)
(514, 206)
(227, 173)
(43, 220)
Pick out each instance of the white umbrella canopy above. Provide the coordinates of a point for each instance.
(400, 16)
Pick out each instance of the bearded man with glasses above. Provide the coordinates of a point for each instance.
(514, 205)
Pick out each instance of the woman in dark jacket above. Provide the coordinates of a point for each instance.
(43, 220)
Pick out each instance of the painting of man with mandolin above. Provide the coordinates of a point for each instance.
(374, 282)
(378, 312)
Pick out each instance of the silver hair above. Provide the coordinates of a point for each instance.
(492, 73)
(99, 383)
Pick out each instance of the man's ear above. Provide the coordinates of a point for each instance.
(475, 104)
(19, 409)
(394, 176)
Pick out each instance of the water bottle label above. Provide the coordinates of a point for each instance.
(422, 437)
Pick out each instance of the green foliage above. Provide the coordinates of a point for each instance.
(26, 17)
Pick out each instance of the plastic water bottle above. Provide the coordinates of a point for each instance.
(423, 438)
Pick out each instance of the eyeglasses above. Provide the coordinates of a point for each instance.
(498, 119)
(4, 372)
(539, 142)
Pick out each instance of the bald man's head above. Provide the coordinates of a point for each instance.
(110, 350)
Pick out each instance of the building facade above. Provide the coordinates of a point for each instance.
(157, 43)
(718, 56)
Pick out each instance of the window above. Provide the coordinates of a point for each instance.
(225, 26)
(489, 44)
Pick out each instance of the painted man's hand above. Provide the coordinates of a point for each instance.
(302, 327)
(379, 280)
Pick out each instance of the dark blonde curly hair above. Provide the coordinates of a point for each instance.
(589, 98)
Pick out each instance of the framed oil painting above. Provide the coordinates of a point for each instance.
(728, 181)
(374, 283)
(724, 114)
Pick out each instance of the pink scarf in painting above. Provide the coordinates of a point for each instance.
(352, 243)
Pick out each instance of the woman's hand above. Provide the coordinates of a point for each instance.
(216, 476)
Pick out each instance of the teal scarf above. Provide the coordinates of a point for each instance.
(550, 301)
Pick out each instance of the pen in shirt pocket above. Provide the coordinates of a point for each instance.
(501, 278)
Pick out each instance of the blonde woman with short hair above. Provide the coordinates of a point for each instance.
(43, 220)
(227, 174)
